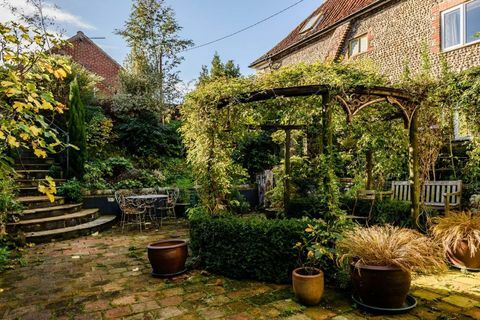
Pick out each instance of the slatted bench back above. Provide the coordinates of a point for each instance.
(432, 192)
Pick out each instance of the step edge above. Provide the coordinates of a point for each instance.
(104, 220)
(78, 214)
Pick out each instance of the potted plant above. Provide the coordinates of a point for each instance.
(459, 235)
(167, 257)
(382, 259)
(308, 279)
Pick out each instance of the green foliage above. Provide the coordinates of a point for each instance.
(218, 70)
(4, 258)
(150, 81)
(256, 153)
(76, 131)
(247, 248)
(72, 190)
(387, 211)
(99, 132)
(256, 248)
(8, 204)
(211, 134)
(145, 135)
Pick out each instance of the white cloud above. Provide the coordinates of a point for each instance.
(60, 16)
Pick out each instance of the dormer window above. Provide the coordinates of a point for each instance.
(312, 22)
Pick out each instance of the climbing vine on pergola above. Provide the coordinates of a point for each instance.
(218, 114)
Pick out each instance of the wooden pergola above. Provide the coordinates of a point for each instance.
(352, 100)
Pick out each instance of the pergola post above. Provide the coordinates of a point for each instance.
(286, 189)
(369, 157)
(414, 168)
(327, 135)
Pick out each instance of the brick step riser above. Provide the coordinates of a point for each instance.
(48, 214)
(72, 234)
(43, 204)
(34, 183)
(51, 225)
(36, 175)
(32, 166)
(28, 192)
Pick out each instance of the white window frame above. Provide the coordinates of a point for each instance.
(314, 21)
(463, 28)
(358, 39)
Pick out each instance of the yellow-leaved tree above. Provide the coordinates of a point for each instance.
(27, 106)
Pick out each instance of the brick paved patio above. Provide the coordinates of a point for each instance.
(107, 276)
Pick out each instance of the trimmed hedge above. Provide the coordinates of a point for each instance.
(247, 248)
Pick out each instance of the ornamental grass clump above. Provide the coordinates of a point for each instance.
(456, 228)
(390, 246)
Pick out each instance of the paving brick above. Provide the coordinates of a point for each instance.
(117, 312)
(426, 295)
(171, 301)
(97, 305)
(145, 306)
(318, 313)
(461, 301)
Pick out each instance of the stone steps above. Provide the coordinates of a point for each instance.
(42, 220)
(34, 202)
(34, 182)
(53, 211)
(101, 223)
(33, 174)
(55, 222)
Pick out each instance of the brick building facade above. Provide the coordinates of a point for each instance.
(85, 52)
(391, 33)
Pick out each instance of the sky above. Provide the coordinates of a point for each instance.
(202, 21)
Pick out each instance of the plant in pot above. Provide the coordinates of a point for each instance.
(381, 260)
(459, 235)
(308, 279)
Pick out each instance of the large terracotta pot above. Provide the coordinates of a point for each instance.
(308, 288)
(167, 257)
(462, 257)
(381, 286)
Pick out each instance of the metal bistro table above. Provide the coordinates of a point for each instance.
(149, 202)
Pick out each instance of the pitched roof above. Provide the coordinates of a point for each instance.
(331, 12)
(80, 36)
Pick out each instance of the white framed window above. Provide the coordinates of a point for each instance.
(358, 45)
(461, 25)
(314, 21)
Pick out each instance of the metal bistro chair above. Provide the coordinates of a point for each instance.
(364, 195)
(168, 207)
(131, 212)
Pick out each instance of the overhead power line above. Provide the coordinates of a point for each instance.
(244, 29)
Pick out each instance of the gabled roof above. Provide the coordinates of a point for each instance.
(332, 12)
(80, 36)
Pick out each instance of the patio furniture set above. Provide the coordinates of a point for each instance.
(147, 206)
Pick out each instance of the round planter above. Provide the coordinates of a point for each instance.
(381, 286)
(181, 209)
(308, 288)
(167, 257)
(462, 257)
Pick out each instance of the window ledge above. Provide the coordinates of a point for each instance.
(477, 42)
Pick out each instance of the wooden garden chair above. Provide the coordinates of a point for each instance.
(363, 195)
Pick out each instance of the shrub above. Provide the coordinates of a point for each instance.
(386, 211)
(76, 131)
(247, 248)
(251, 247)
(98, 131)
(72, 190)
(8, 204)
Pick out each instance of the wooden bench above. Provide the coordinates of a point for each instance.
(435, 194)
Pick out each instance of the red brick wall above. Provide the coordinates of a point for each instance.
(97, 61)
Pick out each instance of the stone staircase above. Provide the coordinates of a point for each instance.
(42, 220)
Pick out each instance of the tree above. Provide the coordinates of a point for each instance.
(218, 70)
(151, 75)
(76, 131)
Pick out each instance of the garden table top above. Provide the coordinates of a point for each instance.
(147, 197)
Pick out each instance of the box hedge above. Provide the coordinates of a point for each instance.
(247, 248)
